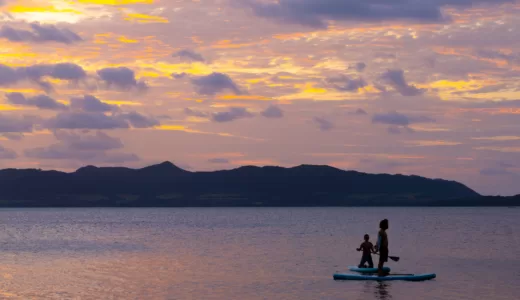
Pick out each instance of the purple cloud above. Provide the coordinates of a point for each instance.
(98, 141)
(513, 58)
(360, 66)
(68, 71)
(98, 120)
(138, 120)
(87, 148)
(215, 83)
(121, 77)
(189, 54)
(345, 84)
(40, 101)
(7, 153)
(317, 14)
(195, 113)
(234, 113)
(84, 120)
(12, 124)
(323, 124)
(395, 78)
(89, 103)
(272, 112)
(179, 75)
(360, 111)
(398, 119)
(8, 75)
(64, 71)
(40, 34)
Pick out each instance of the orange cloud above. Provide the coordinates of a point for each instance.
(227, 44)
(255, 162)
(243, 97)
(143, 18)
(499, 149)
(426, 143)
(498, 138)
(124, 39)
(188, 130)
(114, 2)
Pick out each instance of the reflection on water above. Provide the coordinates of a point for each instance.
(382, 290)
(279, 253)
(378, 290)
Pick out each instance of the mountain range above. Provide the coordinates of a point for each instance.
(166, 185)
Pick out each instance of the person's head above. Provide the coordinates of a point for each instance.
(366, 237)
(383, 224)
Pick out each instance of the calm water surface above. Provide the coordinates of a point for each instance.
(259, 253)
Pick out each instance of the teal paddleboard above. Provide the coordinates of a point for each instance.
(367, 270)
(411, 277)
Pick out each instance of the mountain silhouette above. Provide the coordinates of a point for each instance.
(164, 185)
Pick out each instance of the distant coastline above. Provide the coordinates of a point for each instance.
(166, 185)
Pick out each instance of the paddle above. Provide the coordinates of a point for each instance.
(394, 258)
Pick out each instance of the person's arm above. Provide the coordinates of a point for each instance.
(359, 249)
(379, 239)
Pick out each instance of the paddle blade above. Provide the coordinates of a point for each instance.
(394, 258)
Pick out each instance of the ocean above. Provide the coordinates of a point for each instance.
(254, 253)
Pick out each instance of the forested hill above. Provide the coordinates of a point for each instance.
(168, 185)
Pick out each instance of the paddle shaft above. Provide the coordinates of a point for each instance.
(394, 258)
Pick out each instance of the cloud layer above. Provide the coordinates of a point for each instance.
(412, 87)
(40, 33)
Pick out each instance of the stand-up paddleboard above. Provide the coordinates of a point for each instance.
(367, 270)
(410, 277)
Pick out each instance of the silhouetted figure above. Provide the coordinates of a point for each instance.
(382, 247)
(367, 248)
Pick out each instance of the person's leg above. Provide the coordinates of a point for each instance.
(363, 261)
(370, 262)
(383, 255)
(380, 268)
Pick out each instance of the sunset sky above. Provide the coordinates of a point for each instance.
(426, 87)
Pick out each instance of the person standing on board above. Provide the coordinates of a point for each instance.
(382, 247)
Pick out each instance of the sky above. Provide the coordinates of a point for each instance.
(425, 87)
